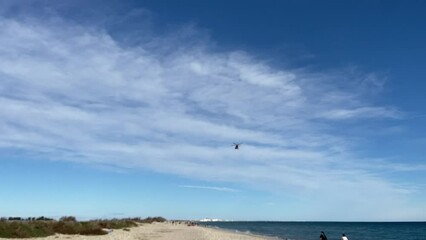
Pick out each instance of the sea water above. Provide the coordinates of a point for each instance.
(333, 230)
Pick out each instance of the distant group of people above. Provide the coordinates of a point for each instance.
(324, 237)
(189, 223)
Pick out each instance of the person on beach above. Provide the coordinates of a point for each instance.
(322, 236)
(344, 237)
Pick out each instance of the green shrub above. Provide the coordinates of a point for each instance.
(42, 227)
(20, 229)
(153, 219)
(68, 219)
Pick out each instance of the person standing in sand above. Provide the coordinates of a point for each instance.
(322, 236)
(344, 237)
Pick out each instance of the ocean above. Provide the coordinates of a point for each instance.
(333, 230)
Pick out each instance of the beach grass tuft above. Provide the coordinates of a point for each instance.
(43, 227)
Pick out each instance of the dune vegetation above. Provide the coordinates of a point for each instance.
(15, 227)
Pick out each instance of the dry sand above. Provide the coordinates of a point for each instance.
(163, 231)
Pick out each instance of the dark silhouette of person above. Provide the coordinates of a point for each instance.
(322, 236)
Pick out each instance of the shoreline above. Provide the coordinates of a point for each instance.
(231, 231)
(162, 231)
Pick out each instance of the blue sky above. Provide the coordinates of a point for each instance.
(130, 108)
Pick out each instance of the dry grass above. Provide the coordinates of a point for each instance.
(19, 228)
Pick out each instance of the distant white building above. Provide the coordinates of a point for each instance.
(211, 220)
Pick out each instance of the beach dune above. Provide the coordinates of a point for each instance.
(163, 231)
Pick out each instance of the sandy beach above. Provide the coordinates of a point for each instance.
(163, 231)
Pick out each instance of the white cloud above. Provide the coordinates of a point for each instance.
(362, 112)
(73, 93)
(220, 189)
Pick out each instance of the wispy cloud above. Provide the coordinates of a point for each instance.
(73, 93)
(220, 189)
(362, 112)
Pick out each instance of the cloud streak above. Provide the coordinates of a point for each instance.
(362, 112)
(73, 93)
(220, 189)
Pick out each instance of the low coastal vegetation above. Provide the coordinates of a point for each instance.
(16, 227)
